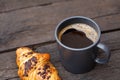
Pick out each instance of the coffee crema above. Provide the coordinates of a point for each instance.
(78, 35)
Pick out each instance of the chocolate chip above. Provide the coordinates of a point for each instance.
(30, 53)
(24, 55)
(43, 76)
(43, 73)
(49, 71)
(34, 59)
(46, 67)
(39, 68)
(48, 77)
(28, 64)
(39, 73)
(27, 67)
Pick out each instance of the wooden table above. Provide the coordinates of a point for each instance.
(32, 22)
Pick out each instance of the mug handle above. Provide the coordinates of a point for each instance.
(106, 52)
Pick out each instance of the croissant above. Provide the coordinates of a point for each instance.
(35, 66)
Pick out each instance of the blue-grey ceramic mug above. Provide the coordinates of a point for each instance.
(81, 60)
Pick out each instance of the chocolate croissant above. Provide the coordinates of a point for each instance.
(35, 66)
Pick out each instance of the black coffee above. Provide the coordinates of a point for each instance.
(75, 39)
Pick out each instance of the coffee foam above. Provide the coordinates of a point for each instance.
(88, 30)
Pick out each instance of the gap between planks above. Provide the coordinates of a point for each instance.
(33, 46)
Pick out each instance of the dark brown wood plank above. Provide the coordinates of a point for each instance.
(12, 5)
(36, 25)
(8, 68)
(112, 40)
(109, 22)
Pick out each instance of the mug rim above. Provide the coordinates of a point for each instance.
(77, 49)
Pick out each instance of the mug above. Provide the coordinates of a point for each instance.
(81, 60)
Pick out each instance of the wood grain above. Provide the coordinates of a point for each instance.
(13, 5)
(36, 25)
(8, 68)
